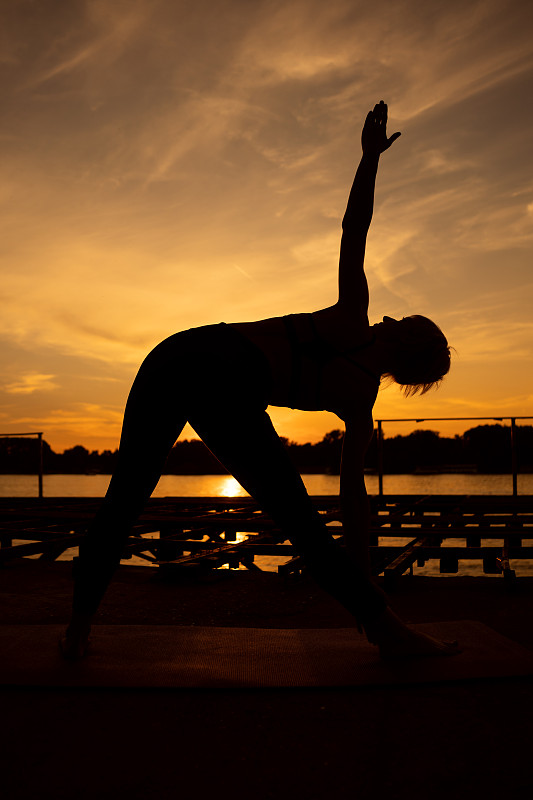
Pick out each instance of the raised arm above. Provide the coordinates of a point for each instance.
(353, 288)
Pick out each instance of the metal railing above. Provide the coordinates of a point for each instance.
(39, 435)
(381, 437)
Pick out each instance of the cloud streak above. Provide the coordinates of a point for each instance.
(30, 383)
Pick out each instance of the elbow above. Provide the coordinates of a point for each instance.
(356, 226)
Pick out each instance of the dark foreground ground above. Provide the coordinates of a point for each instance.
(457, 740)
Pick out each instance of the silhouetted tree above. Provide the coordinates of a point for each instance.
(486, 446)
(20, 455)
(489, 447)
(192, 457)
(76, 459)
(406, 453)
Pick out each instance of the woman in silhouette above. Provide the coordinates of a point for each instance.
(221, 378)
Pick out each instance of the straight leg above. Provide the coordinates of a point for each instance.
(245, 441)
(151, 426)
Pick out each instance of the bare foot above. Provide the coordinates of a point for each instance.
(396, 640)
(75, 642)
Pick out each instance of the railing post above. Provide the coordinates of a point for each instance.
(514, 460)
(380, 458)
(40, 464)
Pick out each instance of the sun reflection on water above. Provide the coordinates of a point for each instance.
(229, 487)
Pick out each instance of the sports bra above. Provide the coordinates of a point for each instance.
(320, 353)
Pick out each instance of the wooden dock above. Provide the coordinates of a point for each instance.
(179, 533)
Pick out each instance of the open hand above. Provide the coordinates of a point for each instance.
(374, 137)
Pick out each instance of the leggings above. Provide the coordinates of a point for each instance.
(217, 380)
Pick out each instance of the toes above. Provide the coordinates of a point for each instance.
(72, 650)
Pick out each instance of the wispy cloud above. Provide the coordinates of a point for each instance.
(82, 423)
(31, 382)
(106, 31)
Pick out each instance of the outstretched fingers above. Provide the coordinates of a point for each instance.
(375, 130)
(382, 111)
(393, 138)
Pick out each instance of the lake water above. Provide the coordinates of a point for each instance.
(226, 486)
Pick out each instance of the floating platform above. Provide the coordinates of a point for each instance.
(177, 533)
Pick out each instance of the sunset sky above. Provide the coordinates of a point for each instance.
(173, 163)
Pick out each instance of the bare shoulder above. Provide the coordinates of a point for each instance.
(343, 327)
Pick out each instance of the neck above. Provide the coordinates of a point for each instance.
(382, 350)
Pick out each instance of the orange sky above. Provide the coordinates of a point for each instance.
(167, 164)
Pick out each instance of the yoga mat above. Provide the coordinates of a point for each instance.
(203, 657)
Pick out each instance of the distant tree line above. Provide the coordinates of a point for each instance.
(485, 448)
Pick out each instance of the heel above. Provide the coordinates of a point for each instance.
(369, 625)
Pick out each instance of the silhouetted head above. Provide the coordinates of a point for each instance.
(418, 354)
